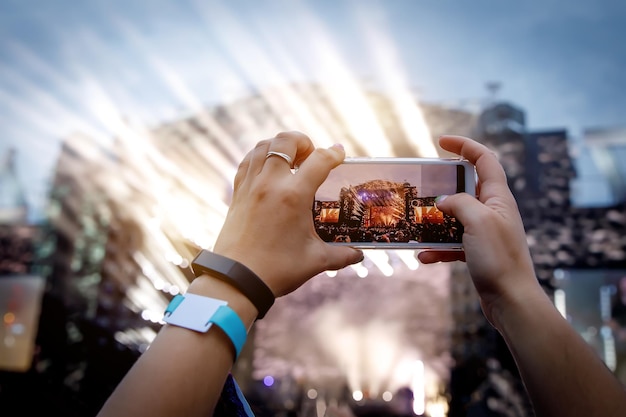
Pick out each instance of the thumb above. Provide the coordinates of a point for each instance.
(341, 256)
(462, 206)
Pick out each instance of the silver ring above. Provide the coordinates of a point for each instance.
(284, 156)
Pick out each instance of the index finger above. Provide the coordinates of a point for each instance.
(490, 172)
(315, 169)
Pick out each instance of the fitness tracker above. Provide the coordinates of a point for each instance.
(237, 275)
(196, 312)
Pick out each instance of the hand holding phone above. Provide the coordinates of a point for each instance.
(389, 203)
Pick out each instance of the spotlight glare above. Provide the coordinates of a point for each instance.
(419, 389)
(381, 260)
(559, 302)
(360, 270)
(357, 395)
(408, 257)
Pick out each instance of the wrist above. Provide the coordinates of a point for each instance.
(199, 313)
(519, 308)
(237, 275)
(211, 286)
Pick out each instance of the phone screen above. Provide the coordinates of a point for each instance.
(390, 203)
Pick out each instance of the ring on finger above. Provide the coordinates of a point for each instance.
(284, 156)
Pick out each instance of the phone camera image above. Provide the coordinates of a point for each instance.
(390, 203)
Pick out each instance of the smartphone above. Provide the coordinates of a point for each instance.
(389, 203)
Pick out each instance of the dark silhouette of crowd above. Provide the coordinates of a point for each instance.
(448, 231)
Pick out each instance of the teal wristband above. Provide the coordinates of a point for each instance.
(198, 313)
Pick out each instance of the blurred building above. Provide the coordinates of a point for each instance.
(600, 156)
(13, 207)
(23, 251)
(561, 233)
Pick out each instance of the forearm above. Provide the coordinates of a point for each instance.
(183, 371)
(561, 372)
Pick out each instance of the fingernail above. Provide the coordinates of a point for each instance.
(361, 257)
(337, 145)
(440, 198)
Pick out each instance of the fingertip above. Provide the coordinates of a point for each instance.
(354, 257)
(460, 205)
(293, 134)
(439, 201)
(454, 137)
(436, 256)
(316, 167)
(426, 257)
(341, 257)
(440, 198)
(454, 143)
(445, 139)
(334, 154)
(338, 149)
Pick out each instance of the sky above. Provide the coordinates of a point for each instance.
(68, 66)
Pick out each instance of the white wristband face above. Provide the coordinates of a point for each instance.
(194, 313)
(199, 313)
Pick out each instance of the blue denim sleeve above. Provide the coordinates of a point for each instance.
(232, 402)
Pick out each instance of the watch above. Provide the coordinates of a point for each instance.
(237, 275)
(199, 313)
